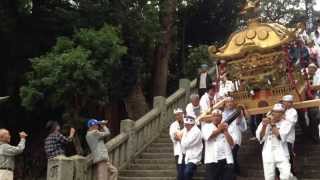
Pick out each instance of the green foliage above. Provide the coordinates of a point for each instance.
(197, 56)
(283, 11)
(75, 71)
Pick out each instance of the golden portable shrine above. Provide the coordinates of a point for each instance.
(258, 63)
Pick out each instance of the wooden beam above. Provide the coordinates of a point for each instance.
(317, 88)
(297, 105)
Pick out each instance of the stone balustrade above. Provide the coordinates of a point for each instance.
(134, 137)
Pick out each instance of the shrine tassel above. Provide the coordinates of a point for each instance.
(303, 64)
(289, 72)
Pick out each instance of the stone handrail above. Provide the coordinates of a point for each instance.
(134, 136)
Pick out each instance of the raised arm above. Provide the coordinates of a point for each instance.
(14, 150)
(192, 139)
(173, 133)
(261, 130)
(242, 124)
(104, 133)
(210, 133)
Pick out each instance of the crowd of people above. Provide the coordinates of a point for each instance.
(55, 145)
(208, 140)
(212, 141)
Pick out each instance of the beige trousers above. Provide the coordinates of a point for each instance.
(104, 170)
(6, 174)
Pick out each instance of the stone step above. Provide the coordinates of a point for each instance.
(154, 161)
(157, 161)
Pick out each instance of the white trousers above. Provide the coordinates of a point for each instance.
(6, 174)
(284, 167)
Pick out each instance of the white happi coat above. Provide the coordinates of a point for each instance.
(193, 111)
(216, 148)
(174, 128)
(291, 115)
(274, 150)
(238, 126)
(191, 145)
(205, 102)
(225, 88)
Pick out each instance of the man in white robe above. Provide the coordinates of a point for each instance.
(193, 108)
(218, 141)
(225, 86)
(273, 132)
(236, 128)
(291, 115)
(191, 145)
(175, 136)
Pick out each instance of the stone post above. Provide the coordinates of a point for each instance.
(80, 167)
(185, 84)
(127, 126)
(60, 168)
(160, 102)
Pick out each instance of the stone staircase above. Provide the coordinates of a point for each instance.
(157, 161)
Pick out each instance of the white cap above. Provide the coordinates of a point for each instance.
(217, 112)
(288, 97)
(312, 65)
(229, 98)
(178, 110)
(189, 120)
(278, 107)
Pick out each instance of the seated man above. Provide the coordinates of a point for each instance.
(218, 142)
(272, 133)
(191, 145)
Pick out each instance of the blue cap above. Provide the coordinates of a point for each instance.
(204, 66)
(92, 122)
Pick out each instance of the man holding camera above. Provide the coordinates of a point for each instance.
(96, 134)
(8, 152)
(55, 142)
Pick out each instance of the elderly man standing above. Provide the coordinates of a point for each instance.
(193, 108)
(175, 136)
(273, 132)
(236, 128)
(96, 134)
(8, 152)
(191, 145)
(203, 80)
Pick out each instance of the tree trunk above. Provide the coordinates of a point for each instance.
(163, 51)
(72, 117)
(136, 104)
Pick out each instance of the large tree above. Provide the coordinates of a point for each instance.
(165, 46)
(77, 72)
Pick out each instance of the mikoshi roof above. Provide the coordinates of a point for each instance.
(256, 36)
